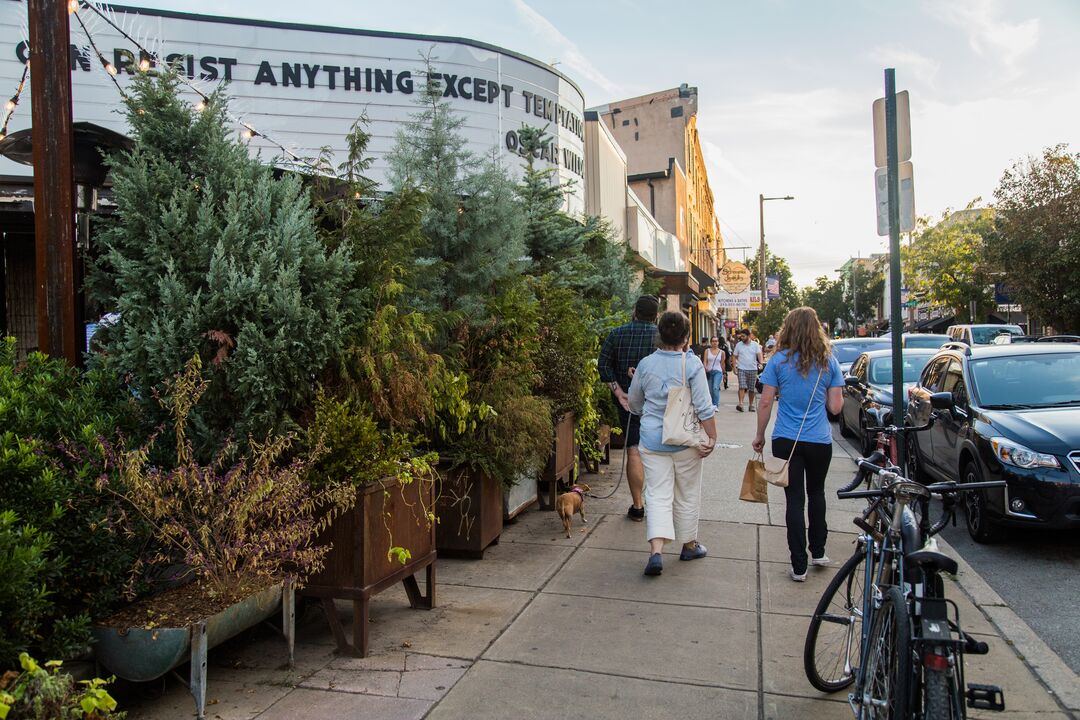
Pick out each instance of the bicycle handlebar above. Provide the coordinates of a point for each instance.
(894, 430)
(860, 476)
(941, 488)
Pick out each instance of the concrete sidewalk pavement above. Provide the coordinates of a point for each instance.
(551, 627)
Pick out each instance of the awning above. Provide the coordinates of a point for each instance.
(677, 283)
(939, 325)
(705, 280)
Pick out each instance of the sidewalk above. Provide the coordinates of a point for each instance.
(550, 627)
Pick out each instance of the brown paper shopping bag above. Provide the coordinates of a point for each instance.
(755, 488)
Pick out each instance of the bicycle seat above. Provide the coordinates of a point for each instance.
(927, 559)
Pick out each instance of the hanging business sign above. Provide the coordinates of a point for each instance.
(304, 86)
(732, 301)
(734, 277)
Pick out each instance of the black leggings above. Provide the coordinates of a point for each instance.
(806, 476)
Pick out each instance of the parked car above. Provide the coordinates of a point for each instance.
(983, 334)
(847, 350)
(924, 340)
(1058, 339)
(1015, 417)
(868, 396)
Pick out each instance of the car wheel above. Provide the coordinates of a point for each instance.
(916, 471)
(869, 443)
(979, 525)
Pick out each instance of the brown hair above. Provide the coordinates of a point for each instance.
(802, 333)
(674, 328)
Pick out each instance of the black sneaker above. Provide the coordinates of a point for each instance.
(637, 514)
(655, 566)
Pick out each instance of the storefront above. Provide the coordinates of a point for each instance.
(295, 90)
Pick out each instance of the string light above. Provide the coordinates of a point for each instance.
(149, 57)
(73, 7)
(13, 102)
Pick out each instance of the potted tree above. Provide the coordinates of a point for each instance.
(232, 539)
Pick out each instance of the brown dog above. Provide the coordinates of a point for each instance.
(570, 503)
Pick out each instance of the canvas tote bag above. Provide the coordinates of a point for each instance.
(757, 477)
(681, 423)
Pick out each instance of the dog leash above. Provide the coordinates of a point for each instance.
(622, 469)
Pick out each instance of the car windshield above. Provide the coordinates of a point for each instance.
(1035, 380)
(849, 352)
(926, 341)
(986, 335)
(881, 369)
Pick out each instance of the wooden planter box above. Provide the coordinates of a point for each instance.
(561, 463)
(357, 567)
(603, 444)
(470, 510)
(142, 655)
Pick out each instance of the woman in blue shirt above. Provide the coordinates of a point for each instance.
(807, 377)
(672, 473)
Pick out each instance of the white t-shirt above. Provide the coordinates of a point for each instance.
(746, 355)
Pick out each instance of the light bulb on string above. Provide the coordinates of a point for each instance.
(73, 6)
(201, 105)
(144, 64)
(10, 104)
(110, 68)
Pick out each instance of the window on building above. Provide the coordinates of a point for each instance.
(676, 111)
(625, 123)
(635, 135)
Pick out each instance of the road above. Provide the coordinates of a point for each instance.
(1037, 573)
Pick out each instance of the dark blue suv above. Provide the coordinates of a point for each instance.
(1015, 417)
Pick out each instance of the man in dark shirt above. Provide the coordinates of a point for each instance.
(623, 348)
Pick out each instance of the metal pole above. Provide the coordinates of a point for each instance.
(855, 293)
(761, 279)
(54, 182)
(896, 325)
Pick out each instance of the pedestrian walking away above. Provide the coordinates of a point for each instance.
(808, 379)
(715, 361)
(672, 472)
(748, 362)
(623, 348)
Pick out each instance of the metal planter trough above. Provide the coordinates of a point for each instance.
(142, 655)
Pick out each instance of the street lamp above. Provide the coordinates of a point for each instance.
(761, 213)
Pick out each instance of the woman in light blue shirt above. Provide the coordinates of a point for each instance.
(672, 472)
(807, 377)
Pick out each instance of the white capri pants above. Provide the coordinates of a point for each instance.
(672, 494)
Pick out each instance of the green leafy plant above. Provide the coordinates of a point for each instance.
(51, 419)
(49, 693)
(236, 528)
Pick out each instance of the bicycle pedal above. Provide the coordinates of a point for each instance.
(985, 697)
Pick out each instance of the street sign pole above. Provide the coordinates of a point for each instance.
(896, 323)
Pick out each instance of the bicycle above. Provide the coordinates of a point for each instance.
(913, 649)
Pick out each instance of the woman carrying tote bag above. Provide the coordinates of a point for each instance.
(677, 432)
(807, 377)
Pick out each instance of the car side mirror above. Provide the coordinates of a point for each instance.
(942, 401)
(852, 382)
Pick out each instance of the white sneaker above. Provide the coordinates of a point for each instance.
(822, 561)
(796, 577)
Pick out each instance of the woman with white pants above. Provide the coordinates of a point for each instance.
(672, 472)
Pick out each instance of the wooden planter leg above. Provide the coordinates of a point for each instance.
(360, 627)
(332, 618)
(288, 620)
(198, 668)
(412, 589)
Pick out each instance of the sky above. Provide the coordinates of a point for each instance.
(785, 89)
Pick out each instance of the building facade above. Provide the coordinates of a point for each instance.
(666, 172)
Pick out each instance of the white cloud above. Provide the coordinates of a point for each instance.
(922, 68)
(718, 162)
(567, 51)
(988, 33)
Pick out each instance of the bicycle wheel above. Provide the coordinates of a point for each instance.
(939, 698)
(834, 638)
(887, 691)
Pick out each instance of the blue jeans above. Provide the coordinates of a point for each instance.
(716, 381)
